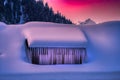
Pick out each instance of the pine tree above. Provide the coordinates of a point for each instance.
(7, 10)
(1, 10)
(13, 8)
(16, 11)
(21, 11)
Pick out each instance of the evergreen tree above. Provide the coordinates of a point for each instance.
(21, 11)
(24, 15)
(16, 11)
(12, 11)
(30, 10)
(2, 10)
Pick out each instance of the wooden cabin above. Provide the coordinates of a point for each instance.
(59, 44)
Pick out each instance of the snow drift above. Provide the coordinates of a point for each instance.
(2, 26)
(103, 51)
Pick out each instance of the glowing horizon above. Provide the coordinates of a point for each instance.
(80, 10)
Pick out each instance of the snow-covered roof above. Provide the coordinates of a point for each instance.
(54, 35)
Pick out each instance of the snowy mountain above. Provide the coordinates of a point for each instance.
(103, 51)
(87, 22)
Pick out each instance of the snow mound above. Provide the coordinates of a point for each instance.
(104, 43)
(45, 24)
(110, 23)
(2, 26)
(88, 22)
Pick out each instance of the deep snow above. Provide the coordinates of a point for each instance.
(2, 26)
(54, 36)
(103, 51)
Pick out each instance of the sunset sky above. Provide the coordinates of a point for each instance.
(80, 10)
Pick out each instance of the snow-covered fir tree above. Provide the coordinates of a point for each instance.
(21, 11)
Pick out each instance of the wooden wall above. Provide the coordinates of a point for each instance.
(50, 56)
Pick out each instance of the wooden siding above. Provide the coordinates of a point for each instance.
(49, 56)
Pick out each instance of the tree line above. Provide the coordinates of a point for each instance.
(22, 11)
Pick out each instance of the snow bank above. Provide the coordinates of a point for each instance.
(2, 26)
(104, 44)
(103, 49)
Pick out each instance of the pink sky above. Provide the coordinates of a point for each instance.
(80, 10)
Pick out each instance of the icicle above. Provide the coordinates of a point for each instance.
(40, 56)
(29, 55)
(60, 53)
(52, 58)
(48, 56)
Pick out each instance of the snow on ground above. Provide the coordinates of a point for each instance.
(104, 45)
(103, 51)
(2, 26)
